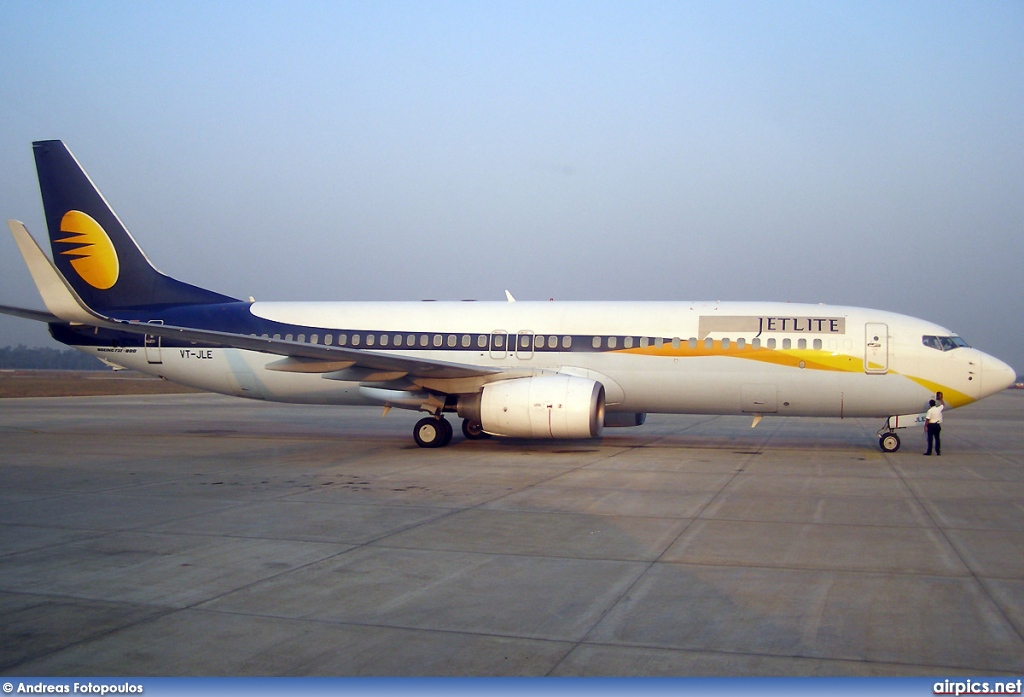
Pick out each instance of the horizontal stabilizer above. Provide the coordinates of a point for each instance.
(25, 313)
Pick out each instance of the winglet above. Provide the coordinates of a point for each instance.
(509, 296)
(57, 294)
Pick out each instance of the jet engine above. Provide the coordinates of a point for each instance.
(547, 406)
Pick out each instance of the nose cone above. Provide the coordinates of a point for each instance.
(996, 376)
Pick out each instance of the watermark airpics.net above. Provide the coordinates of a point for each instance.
(977, 687)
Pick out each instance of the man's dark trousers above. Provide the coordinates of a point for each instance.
(933, 435)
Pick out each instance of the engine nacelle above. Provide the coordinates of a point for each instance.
(548, 406)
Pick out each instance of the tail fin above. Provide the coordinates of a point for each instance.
(92, 248)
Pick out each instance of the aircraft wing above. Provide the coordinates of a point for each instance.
(65, 305)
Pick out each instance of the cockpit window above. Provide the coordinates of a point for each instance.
(943, 343)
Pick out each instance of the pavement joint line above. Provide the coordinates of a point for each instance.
(990, 647)
(456, 511)
(978, 581)
(659, 559)
(163, 612)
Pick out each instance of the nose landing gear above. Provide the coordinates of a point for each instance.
(890, 442)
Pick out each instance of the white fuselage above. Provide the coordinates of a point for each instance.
(656, 357)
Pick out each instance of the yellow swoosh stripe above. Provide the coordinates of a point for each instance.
(794, 358)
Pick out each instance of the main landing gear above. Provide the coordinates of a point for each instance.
(473, 431)
(432, 432)
(437, 431)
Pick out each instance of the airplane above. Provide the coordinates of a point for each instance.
(532, 370)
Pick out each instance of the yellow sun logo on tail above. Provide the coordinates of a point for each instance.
(94, 257)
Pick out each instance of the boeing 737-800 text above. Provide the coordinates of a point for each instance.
(516, 369)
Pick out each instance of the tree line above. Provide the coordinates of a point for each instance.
(22, 357)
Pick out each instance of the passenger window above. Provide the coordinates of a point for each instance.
(437, 340)
(552, 342)
(410, 340)
(644, 341)
(597, 342)
(355, 339)
(383, 340)
(465, 340)
(659, 342)
(301, 339)
(481, 341)
(709, 343)
(627, 342)
(424, 339)
(692, 343)
(771, 343)
(725, 344)
(676, 341)
(566, 342)
(801, 344)
(370, 339)
(755, 344)
(612, 342)
(817, 344)
(787, 344)
(329, 339)
(741, 344)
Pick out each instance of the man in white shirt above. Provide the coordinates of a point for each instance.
(933, 426)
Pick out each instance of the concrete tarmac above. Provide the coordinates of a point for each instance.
(203, 535)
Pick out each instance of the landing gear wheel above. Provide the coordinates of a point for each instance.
(473, 431)
(432, 432)
(446, 432)
(890, 442)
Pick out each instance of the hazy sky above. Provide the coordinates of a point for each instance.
(853, 153)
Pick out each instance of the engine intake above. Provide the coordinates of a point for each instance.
(548, 406)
